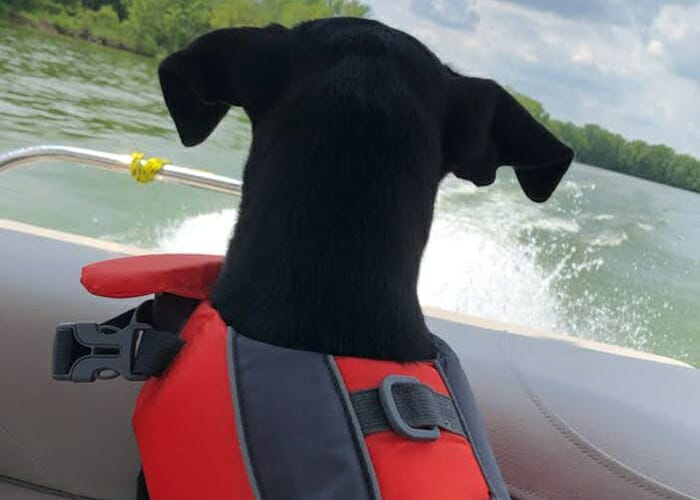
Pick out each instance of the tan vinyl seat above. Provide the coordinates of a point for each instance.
(567, 419)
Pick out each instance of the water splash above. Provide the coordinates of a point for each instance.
(492, 255)
(529, 265)
(207, 233)
(609, 239)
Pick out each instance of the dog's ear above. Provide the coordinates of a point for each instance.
(245, 67)
(486, 127)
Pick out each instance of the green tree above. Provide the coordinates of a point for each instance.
(348, 8)
(603, 146)
(534, 107)
(117, 5)
(227, 13)
(654, 161)
(239, 13)
(17, 6)
(684, 172)
(159, 26)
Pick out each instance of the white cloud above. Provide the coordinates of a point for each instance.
(641, 79)
(582, 54)
(677, 29)
(656, 48)
(622, 12)
(456, 14)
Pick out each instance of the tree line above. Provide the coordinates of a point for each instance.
(597, 146)
(158, 27)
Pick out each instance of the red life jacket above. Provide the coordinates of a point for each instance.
(234, 418)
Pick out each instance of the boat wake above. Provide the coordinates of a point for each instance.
(493, 255)
(205, 233)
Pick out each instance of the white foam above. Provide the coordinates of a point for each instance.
(555, 224)
(495, 256)
(206, 233)
(603, 217)
(475, 273)
(609, 239)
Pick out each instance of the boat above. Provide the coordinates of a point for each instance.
(567, 418)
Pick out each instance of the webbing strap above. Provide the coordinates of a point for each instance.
(155, 352)
(418, 406)
(156, 348)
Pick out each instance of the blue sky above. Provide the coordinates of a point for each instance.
(632, 66)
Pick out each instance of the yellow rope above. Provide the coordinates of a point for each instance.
(145, 171)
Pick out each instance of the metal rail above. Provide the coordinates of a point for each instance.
(117, 163)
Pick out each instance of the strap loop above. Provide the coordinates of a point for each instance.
(408, 407)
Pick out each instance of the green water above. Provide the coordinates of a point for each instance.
(610, 257)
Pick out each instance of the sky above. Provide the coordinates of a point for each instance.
(632, 66)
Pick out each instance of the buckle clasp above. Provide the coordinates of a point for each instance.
(85, 352)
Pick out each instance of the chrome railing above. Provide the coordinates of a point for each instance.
(117, 163)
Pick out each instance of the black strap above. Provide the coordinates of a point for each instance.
(158, 347)
(141, 488)
(155, 352)
(155, 349)
(123, 319)
(171, 312)
(418, 405)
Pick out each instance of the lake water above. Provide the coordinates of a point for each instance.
(610, 257)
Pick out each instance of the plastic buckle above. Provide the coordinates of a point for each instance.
(85, 352)
(386, 398)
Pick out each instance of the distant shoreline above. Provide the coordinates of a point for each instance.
(54, 29)
(593, 144)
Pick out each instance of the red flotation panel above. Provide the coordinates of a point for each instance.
(233, 418)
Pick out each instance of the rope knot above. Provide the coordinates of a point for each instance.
(145, 171)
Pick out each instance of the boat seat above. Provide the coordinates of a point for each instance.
(568, 419)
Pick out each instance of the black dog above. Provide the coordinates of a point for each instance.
(354, 126)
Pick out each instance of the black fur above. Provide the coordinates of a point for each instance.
(354, 126)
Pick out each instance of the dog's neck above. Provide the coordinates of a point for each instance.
(329, 265)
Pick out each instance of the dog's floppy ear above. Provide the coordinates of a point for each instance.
(236, 66)
(486, 127)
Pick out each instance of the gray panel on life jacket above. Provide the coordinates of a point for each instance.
(451, 370)
(300, 439)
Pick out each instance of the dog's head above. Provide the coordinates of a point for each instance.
(354, 126)
(336, 74)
